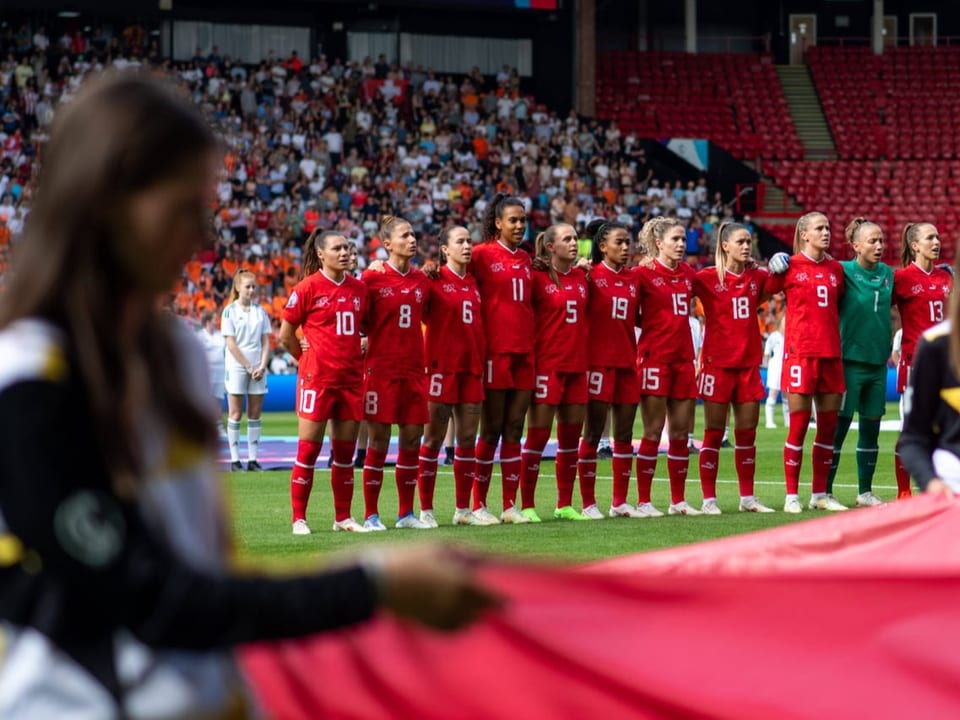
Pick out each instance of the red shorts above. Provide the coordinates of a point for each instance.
(613, 385)
(676, 381)
(455, 388)
(903, 376)
(395, 400)
(561, 388)
(509, 371)
(344, 402)
(811, 376)
(730, 385)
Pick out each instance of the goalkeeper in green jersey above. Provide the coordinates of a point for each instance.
(865, 340)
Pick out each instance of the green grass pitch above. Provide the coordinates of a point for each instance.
(260, 507)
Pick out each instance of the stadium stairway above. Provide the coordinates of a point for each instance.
(806, 111)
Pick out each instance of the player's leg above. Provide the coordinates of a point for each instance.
(679, 416)
(653, 414)
(434, 433)
(254, 428)
(309, 444)
(714, 422)
(538, 433)
(344, 430)
(234, 416)
(801, 405)
(570, 419)
(378, 443)
(593, 427)
(515, 412)
(849, 402)
(408, 438)
(828, 405)
(466, 417)
(491, 428)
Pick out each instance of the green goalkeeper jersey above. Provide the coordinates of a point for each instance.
(865, 330)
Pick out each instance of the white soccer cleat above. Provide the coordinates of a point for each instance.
(427, 518)
(792, 505)
(485, 517)
(300, 527)
(683, 508)
(626, 510)
(868, 499)
(349, 525)
(410, 522)
(648, 510)
(592, 512)
(513, 516)
(754, 505)
(710, 507)
(373, 524)
(463, 516)
(826, 502)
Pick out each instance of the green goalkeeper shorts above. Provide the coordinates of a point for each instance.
(866, 389)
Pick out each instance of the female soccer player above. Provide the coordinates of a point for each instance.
(665, 362)
(612, 380)
(920, 292)
(327, 306)
(503, 272)
(865, 333)
(394, 383)
(246, 329)
(730, 362)
(560, 350)
(455, 349)
(813, 285)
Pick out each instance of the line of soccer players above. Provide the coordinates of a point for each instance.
(514, 333)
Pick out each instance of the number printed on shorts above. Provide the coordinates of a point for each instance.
(595, 382)
(436, 385)
(406, 313)
(796, 376)
(650, 377)
(542, 386)
(708, 383)
(308, 400)
(371, 403)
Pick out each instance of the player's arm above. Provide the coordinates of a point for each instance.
(921, 402)
(237, 354)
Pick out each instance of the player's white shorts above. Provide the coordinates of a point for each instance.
(238, 381)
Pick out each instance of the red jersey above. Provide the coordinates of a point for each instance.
(455, 342)
(731, 338)
(506, 288)
(921, 297)
(330, 315)
(560, 311)
(393, 321)
(611, 317)
(813, 291)
(665, 296)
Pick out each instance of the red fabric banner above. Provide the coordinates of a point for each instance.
(853, 615)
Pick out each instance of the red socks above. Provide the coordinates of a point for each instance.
(710, 462)
(823, 449)
(301, 477)
(510, 463)
(678, 463)
(646, 467)
(587, 470)
(568, 435)
(793, 449)
(464, 471)
(903, 477)
(427, 475)
(372, 480)
(481, 479)
(745, 457)
(622, 464)
(406, 478)
(530, 466)
(341, 477)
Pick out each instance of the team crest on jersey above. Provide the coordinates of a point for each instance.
(688, 284)
(802, 277)
(582, 289)
(449, 287)
(633, 291)
(946, 289)
(720, 287)
(753, 287)
(356, 303)
(552, 289)
(321, 302)
(292, 302)
(917, 289)
(418, 294)
(600, 282)
(658, 282)
(497, 267)
(526, 271)
(833, 280)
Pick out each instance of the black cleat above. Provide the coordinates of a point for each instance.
(726, 444)
(604, 453)
(236, 466)
(254, 466)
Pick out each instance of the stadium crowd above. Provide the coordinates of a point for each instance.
(320, 143)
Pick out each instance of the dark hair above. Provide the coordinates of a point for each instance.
(911, 233)
(494, 210)
(598, 230)
(122, 134)
(723, 234)
(317, 240)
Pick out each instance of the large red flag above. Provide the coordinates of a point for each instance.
(852, 616)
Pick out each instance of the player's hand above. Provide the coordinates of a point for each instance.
(376, 266)
(584, 264)
(431, 268)
(304, 344)
(938, 487)
(433, 585)
(779, 263)
(363, 345)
